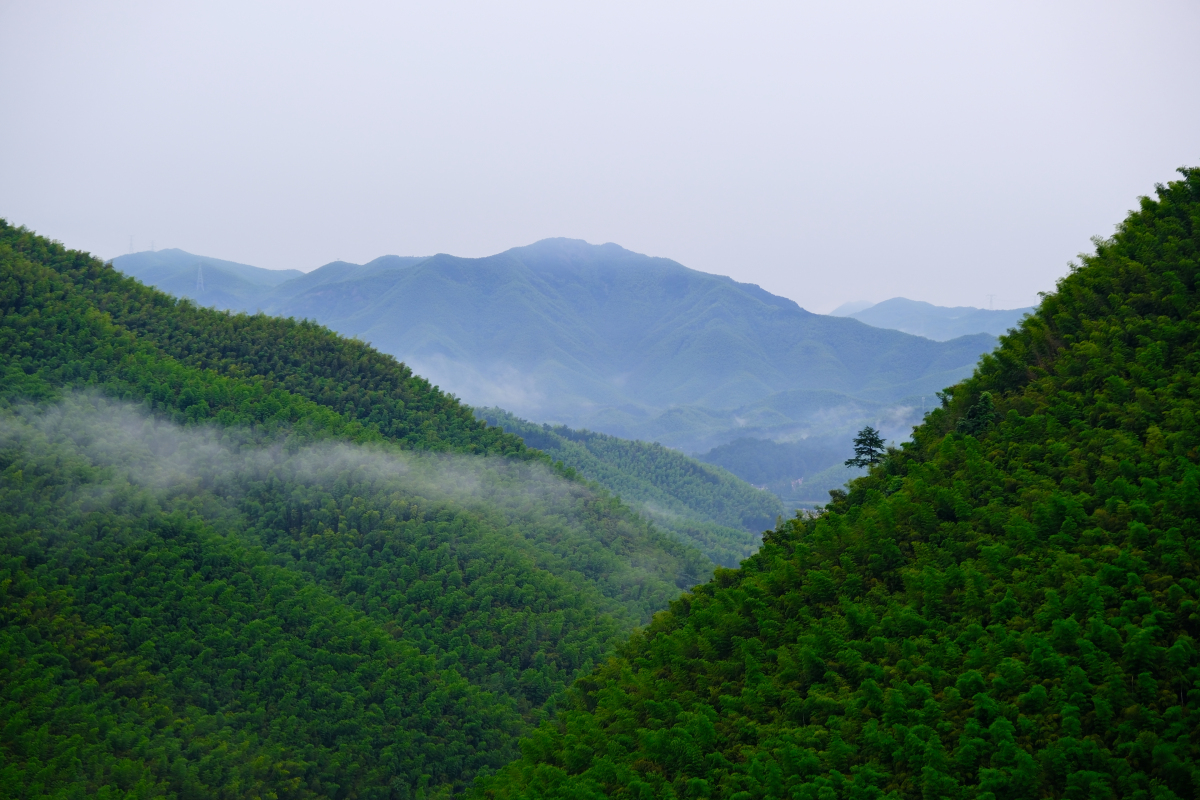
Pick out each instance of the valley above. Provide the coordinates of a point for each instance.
(703, 505)
(600, 401)
(213, 524)
(600, 338)
(243, 555)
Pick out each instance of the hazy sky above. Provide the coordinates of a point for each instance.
(828, 152)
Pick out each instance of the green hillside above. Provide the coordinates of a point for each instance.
(1006, 607)
(244, 557)
(71, 320)
(704, 505)
(598, 337)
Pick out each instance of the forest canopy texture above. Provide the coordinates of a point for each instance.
(241, 556)
(1004, 607)
(700, 503)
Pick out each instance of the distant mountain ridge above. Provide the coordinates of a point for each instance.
(208, 281)
(940, 323)
(600, 337)
(267, 560)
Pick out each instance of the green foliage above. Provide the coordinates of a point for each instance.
(979, 416)
(868, 449)
(702, 504)
(236, 579)
(143, 651)
(70, 320)
(1005, 611)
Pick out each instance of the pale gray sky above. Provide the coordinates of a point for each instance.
(828, 152)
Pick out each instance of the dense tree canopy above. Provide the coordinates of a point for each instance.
(242, 557)
(1006, 607)
(703, 504)
(72, 320)
(224, 571)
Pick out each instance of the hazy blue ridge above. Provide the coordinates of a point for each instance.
(702, 504)
(940, 323)
(208, 281)
(801, 473)
(599, 337)
(156, 264)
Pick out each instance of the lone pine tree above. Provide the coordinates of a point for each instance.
(868, 448)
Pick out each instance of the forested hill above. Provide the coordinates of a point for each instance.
(73, 320)
(245, 557)
(704, 505)
(1006, 607)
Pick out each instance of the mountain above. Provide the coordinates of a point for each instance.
(600, 337)
(241, 556)
(1006, 607)
(801, 469)
(208, 281)
(933, 322)
(702, 504)
(338, 272)
(846, 309)
(800, 473)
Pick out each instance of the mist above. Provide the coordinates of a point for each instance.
(211, 472)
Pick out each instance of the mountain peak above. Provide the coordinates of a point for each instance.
(576, 252)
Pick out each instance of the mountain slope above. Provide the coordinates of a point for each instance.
(939, 323)
(242, 556)
(75, 321)
(630, 327)
(1006, 607)
(797, 472)
(155, 264)
(208, 281)
(703, 505)
(598, 336)
(805, 463)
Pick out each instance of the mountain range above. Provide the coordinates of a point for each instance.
(597, 336)
(244, 557)
(208, 281)
(940, 323)
(241, 556)
(1005, 607)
